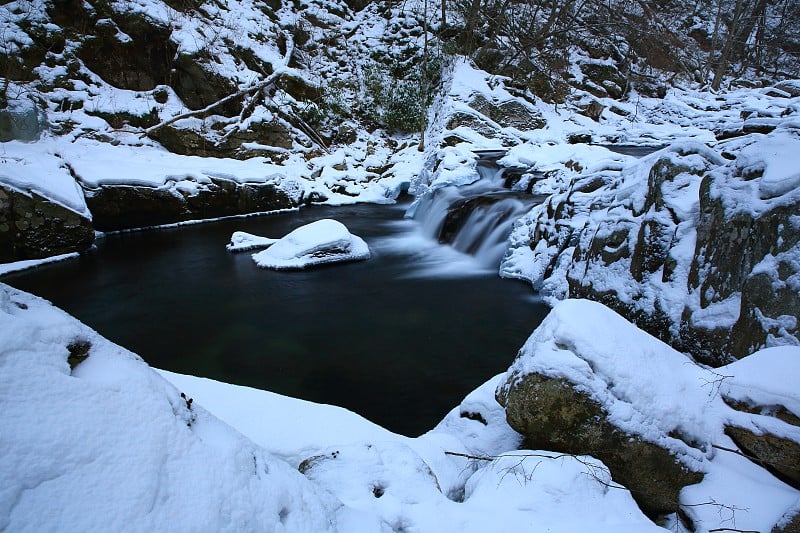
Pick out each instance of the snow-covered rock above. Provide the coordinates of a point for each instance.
(696, 246)
(589, 381)
(35, 227)
(321, 242)
(242, 241)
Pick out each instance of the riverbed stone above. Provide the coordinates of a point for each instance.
(552, 414)
(35, 227)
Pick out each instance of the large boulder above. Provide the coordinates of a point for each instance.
(587, 382)
(553, 414)
(35, 227)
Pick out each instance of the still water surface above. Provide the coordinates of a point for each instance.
(399, 339)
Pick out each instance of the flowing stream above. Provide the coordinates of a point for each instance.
(399, 339)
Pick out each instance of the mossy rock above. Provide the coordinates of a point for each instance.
(552, 414)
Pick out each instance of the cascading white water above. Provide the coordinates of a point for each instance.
(493, 209)
(486, 230)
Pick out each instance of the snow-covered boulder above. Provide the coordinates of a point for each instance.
(699, 247)
(589, 382)
(321, 242)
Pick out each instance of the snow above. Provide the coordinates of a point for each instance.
(108, 443)
(648, 389)
(24, 167)
(321, 242)
(242, 241)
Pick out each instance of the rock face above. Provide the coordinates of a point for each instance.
(33, 227)
(116, 207)
(259, 139)
(490, 119)
(700, 251)
(553, 415)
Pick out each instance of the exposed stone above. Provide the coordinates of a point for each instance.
(729, 246)
(593, 110)
(139, 63)
(116, 207)
(607, 77)
(33, 227)
(778, 455)
(792, 525)
(212, 143)
(198, 85)
(552, 414)
(509, 114)
(781, 456)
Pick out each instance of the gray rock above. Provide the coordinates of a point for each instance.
(779, 455)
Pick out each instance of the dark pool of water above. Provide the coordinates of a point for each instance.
(382, 337)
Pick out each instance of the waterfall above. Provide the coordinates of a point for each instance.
(475, 219)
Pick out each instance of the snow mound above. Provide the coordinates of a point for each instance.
(323, 241)
(242, 241)
(94, 440)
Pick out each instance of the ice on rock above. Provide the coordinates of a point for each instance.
(323, 241)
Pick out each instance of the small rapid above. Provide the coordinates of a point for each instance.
(474, 219)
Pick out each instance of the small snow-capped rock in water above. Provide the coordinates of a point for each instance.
(242, 241)
(323, 241)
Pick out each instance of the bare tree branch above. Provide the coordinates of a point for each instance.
(270, 80)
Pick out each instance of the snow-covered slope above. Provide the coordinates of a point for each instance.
(93, 439)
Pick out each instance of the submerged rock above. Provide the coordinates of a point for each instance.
(321, 242)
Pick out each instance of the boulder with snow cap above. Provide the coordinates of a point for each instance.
(589, 382)
(321, 242)
(572, 389)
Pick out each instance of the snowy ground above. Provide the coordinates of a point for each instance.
(105, 442)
